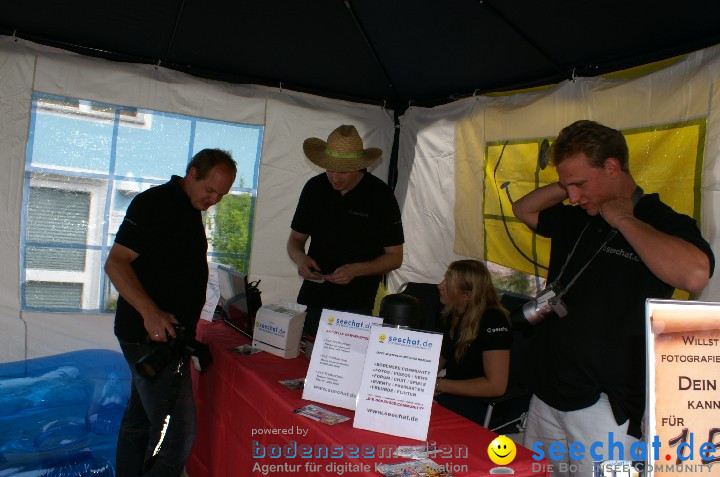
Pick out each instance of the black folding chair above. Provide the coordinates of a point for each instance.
(429, 297)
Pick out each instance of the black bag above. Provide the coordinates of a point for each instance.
(253, 297)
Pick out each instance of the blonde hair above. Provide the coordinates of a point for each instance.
(471, 278)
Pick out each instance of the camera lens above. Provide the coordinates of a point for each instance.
(146, 370)
(152, 364)
(532, 313)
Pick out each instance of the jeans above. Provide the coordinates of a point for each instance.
(593, 424)
(142, 423)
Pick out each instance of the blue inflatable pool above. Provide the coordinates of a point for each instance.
(60, 415)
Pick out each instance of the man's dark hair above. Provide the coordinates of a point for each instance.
(206, 159)
(596, 141)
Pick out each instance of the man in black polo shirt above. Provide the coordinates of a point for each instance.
(611, 249)
(353, 222)
(159, 265)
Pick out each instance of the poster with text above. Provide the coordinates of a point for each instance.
(683, 396)
(338, 357)
(398, 382)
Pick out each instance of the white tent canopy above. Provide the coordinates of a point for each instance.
(426, 159)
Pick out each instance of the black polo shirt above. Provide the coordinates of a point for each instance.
(494, 333)
(167, 232)
(343, 229)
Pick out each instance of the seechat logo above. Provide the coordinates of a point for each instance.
(404, 340)
(268, 328)
(352, 324)
(382, 338)
(331, 320)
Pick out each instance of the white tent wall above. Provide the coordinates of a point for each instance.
(26, 67)
(16, 73)
(426, 192)
(428, 147)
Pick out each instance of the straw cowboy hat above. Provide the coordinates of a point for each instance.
(343, 151)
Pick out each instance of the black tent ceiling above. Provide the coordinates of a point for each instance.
(397, 52)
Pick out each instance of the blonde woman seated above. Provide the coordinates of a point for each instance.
(476, 345)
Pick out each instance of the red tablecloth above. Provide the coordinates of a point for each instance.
(243, 411)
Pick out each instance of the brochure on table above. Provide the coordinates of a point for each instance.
(398, 382)
(683, 347)
(338, 357)
(212, 293)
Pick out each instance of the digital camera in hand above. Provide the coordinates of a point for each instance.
(153, 363)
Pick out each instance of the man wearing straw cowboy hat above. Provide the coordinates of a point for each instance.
(353, 222)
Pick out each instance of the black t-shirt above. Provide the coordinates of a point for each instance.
(494, 334)
(600, 345)
(167, 232)
(343, 229)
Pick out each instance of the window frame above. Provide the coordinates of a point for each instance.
(102, 217)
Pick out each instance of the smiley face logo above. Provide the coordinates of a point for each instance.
(331, 320)
(381, 338)
(502, 450)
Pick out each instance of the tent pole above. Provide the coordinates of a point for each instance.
(172, 37)
(518, 32)
(393, 169)
(372, 49)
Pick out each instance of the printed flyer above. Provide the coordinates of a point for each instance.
(683, 374)
(398, 382)
(212, 293)
(338, 357)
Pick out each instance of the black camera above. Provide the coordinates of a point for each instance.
(544, 304)
(153, 363)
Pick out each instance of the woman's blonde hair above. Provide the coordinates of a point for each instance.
(471, 278)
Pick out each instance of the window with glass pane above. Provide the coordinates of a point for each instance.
(85, 163)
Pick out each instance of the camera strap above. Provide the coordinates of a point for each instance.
(638, 193)
(636, 196)
(611, 233)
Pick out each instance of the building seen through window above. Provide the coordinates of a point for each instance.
(85, 163)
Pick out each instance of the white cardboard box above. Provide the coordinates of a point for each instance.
(278, 329)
